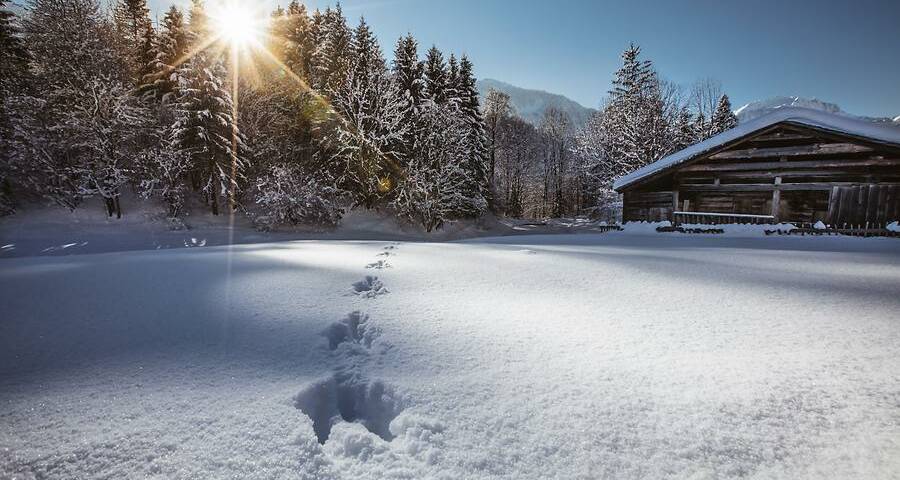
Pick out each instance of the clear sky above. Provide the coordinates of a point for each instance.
(846, 52)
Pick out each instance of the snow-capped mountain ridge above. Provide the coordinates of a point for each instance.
(759, 108)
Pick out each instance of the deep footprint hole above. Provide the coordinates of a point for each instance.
(372, 404)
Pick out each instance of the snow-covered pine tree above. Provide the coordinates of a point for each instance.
(475, 142)
(293, 39)
(136, 36)
(205, 128)
(436, 76)
(684, 133)
(172, 48)
(408, 76)
(701, 128)
(634, 119)
(331, 59)
(723, 119)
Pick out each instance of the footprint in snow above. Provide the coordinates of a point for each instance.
(193, 242)
(379, 265)
(369, 287)
(354, 329)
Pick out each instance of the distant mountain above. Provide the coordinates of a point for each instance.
(531, 104)
(761, 107)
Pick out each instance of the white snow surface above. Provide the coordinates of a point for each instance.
(528, 357)
(803, 116)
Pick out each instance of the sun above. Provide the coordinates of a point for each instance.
(238, 24)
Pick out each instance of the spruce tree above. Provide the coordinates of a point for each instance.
(205, 129)
(135, 30)
(637, 130)
(292, 32)
(474, 139)
(331, 59)
(172, 49)
(436, 76)
(410, 85)
(723, 119)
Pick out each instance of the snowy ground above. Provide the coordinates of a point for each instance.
(541, 356)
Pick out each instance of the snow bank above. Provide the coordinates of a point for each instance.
(644, 228)
(742, 229)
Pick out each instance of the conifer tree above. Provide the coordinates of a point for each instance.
(205, 129)
(475, 138)
(292, 32)
(436, 76)
(331, 59)
(723, 119)
(135, 30)
(634, 120)
(162, 79)
(410, 85)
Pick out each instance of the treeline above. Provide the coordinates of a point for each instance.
(554, 169)
(94, 103)
(97, 102)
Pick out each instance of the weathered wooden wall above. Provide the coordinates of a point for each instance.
(647, 206)
(865, 205)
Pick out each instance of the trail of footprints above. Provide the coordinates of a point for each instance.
(348, 394)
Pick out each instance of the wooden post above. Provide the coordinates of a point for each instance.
(776, 200)
(674, 204)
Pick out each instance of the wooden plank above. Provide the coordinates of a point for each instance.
(830, 217)
(862, 205)
(880, 206)
(776, 201)
(815, 149)
(734, 167)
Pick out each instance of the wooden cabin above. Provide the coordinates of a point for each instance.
(792, 165)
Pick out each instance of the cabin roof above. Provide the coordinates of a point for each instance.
(834, 123)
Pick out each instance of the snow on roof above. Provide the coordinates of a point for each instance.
(878, 132)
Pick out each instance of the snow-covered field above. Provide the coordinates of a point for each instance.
(539, 356)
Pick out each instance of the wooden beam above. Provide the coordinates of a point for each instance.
(780, 136)
(762, 187)
(815, 149)
(733, 167)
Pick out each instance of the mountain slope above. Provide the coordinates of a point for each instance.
(531, 104)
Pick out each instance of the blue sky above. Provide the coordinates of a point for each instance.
(844, 52)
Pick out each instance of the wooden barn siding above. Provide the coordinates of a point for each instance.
(861, 205)
(647, 206)
(810, 175)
